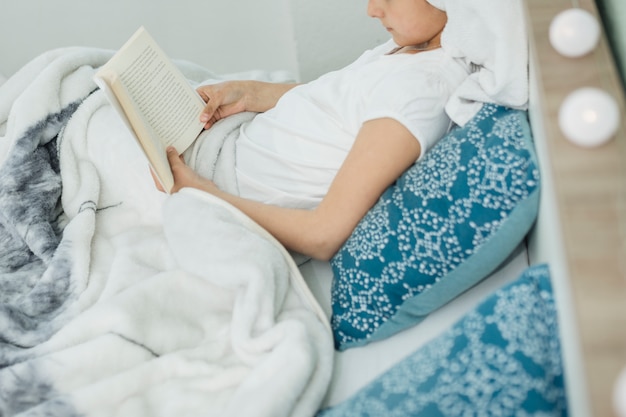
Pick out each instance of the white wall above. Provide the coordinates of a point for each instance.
(213, 33)
(332, 33)
(304, 37)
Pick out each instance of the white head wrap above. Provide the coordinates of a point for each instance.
(490, 34)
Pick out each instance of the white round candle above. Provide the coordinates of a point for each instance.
(574, 32)
(589, 117)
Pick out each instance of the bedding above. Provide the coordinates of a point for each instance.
(502, 358)
(354, 368)
(446, 224)
(118, 300)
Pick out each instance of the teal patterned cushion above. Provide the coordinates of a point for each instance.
(501, 359)
(447, 223)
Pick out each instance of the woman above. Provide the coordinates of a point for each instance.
(319, 155)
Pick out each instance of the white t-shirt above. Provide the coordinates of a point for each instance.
(289, 155)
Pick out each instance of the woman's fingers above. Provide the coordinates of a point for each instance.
(174, 158)
(183, 175)
(208, 115)
(222, 100)
(214, 97)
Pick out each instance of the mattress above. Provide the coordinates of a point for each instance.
(350, 374)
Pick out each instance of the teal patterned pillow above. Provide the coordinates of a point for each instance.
(447, 223)
(501, 359)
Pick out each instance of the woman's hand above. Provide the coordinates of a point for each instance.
(230, 97)
(222, 100)
(184, 176)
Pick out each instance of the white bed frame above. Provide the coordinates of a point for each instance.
(581, 226)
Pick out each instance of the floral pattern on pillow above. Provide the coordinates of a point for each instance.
(501, 359)
(447, 223)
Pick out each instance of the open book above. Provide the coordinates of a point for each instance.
(154, 99)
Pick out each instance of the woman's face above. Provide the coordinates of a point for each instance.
(410, 22)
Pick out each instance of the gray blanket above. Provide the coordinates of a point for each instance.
(118, 300)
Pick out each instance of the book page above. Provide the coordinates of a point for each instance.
(153, 148)
(154, 100)
(160, 93)
(162, 96)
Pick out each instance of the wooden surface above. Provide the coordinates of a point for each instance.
(589, 187)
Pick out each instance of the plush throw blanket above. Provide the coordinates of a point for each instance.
(117, 300)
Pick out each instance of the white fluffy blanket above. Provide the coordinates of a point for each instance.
(116, 300)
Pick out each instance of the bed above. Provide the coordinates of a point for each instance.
(161, 318)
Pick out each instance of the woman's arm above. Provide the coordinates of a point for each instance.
(383, 150)
(230, 97)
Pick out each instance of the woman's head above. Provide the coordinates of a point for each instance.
(410, 22)
(489, 34)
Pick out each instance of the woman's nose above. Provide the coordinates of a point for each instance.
(373, 9)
